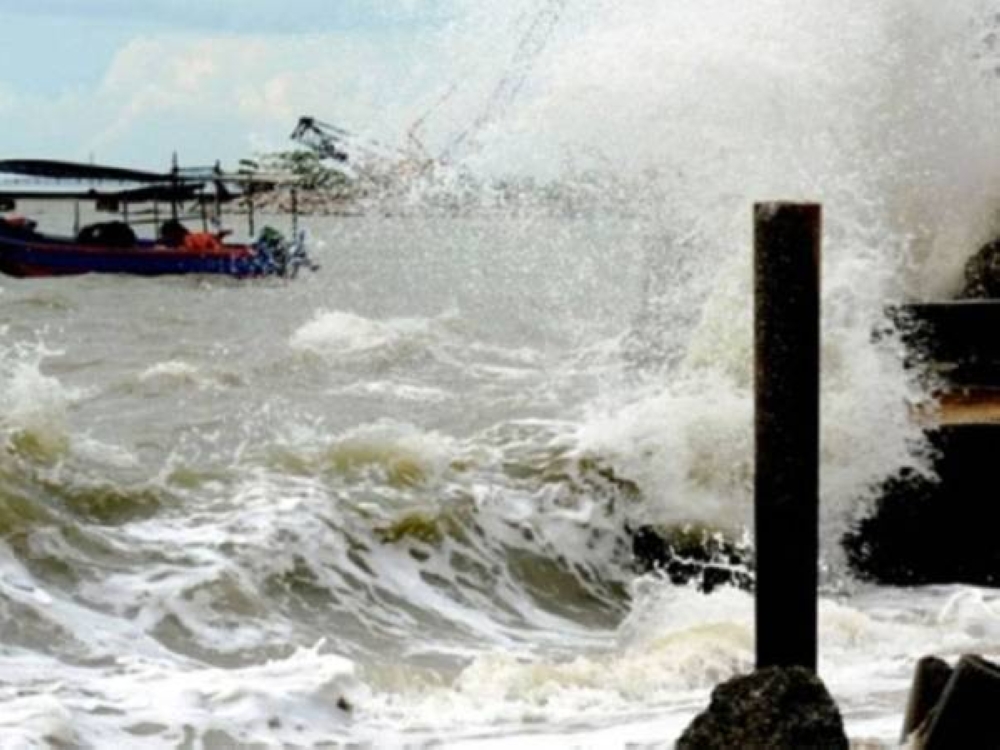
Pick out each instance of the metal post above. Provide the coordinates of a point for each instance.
(218, 198)
(250, 216)
(174, 186)
(786, 487)
(295, 213)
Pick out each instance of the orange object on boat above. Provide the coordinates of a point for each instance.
(201, 241)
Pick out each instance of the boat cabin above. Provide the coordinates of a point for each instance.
(168, 222)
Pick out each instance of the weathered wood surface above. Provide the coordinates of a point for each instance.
(964, 406)
(970, 407)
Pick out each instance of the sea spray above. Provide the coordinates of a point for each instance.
(887, 122)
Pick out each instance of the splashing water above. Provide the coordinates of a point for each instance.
(889, 122)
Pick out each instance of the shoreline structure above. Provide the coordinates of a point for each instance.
(784, 703)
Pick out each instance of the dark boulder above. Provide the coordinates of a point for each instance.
(982, 272)
(940, 527)
(929, 681)
(936, 529)
(692, 555)
(778, 708)
(961, 713)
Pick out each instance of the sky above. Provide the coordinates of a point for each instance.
(133, 81)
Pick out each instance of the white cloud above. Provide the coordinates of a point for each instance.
(225, 95)
(176, 90)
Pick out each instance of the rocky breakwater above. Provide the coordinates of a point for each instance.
(940, 527)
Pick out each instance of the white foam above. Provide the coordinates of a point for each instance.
(401, 391)
(173, 370)
(37, 721)
(307, 697)
(338, 333)
(32, 402)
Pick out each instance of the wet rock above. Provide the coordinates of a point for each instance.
(951, 344)
(936, 529)
(982, 272)
(929, 681)
(964, 713)
(692, 554)
(779, 708)
(940, 527)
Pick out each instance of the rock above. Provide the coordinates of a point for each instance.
(929, 681)
(692, 554)
(940, 529)
(948, 344)
(965, 714)
(940, 526)
(982, 272)
(778, 708)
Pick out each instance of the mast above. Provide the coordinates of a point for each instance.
(247, 169)
(173, 185)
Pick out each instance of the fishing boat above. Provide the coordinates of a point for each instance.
(167, 202)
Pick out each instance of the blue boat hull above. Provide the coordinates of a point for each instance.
(31, 257)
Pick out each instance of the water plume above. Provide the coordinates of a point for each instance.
(882, 112)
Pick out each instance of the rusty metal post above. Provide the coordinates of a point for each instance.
(786, 485)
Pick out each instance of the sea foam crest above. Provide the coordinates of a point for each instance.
(33, 405)
(307, 697)
(348, 335)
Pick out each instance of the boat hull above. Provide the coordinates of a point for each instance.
(30, 258)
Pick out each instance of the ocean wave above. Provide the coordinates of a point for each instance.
(338, 335)
(299, 699)
(33, 406)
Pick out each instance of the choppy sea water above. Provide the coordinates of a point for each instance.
(386, 504)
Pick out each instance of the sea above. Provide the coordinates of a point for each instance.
(388, 503)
